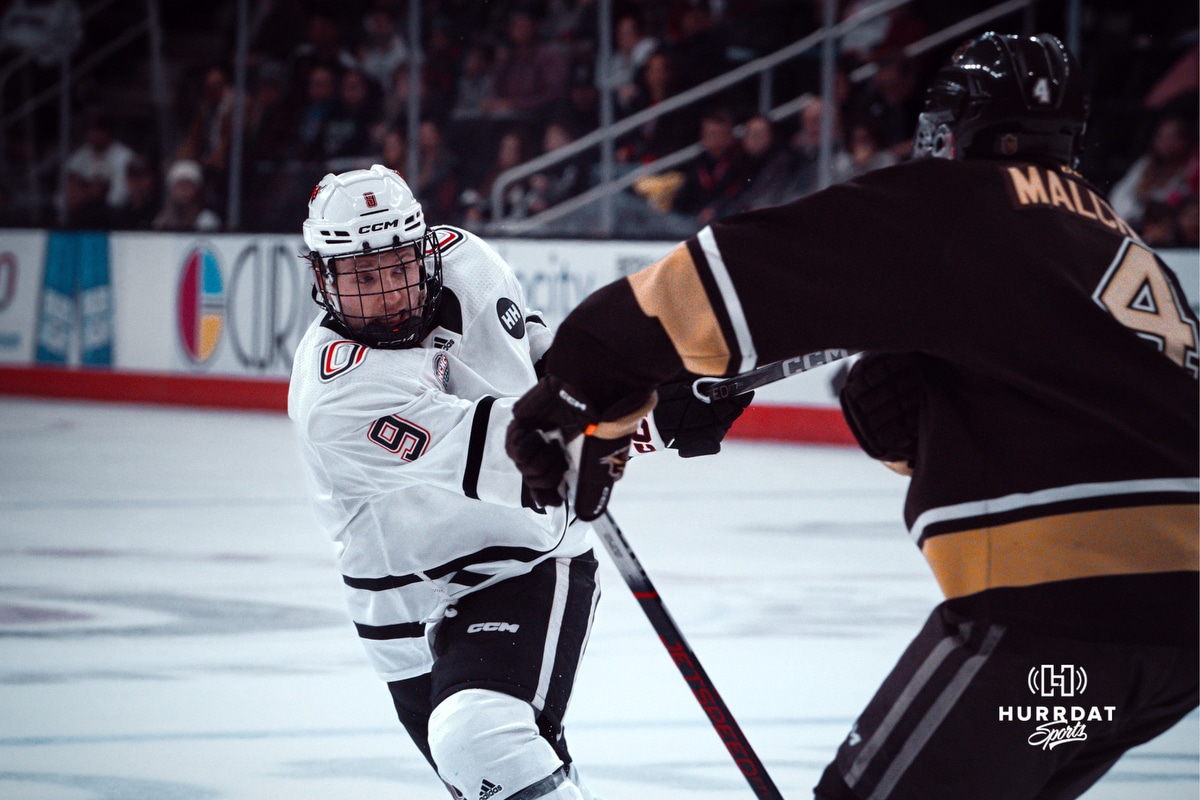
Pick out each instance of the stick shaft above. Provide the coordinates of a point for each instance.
(769, 373)
(697, 679)
(655, 609)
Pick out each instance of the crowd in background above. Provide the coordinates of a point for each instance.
(329, 88)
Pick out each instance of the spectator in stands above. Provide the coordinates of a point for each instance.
(47, 30)
(754, 28)
(886, 33)
(1165, 173)
(393, 147)
(769, 167)
(437, 183)
(320, 97)
(581, 110)
(1187, 223)
(473, 88)
(529, 76)
(269, 119)
(101, 160)
(665, 134)
(1159, 225)
(699, 48)
(348, 132)
(573, 24)
(183, 209)
(143, 202)
(276, 30)
(861, 41)
(477, 201)
(443, 54)
(864, 151)
(891, 99)
(713, 181)
(562, 180)
(207, 140)
(1182, 79)
(383, 49)
(805, 147)
(323, 47)
(83, 200)
(395, 104)
(633, 49)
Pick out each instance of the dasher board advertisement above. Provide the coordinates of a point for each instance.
(22, 254)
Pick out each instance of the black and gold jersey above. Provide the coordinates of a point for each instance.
(1057, 471)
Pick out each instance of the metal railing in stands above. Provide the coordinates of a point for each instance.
(760, 66)
(707, 89)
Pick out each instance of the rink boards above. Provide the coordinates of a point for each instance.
(214, 320)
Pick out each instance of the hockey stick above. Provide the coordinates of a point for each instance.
(702, 687)
(652, 604)
(724, 388)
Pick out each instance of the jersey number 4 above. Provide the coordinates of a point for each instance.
(1137, 292)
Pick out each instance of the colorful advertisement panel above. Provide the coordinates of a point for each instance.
(22, 254)
(235, 306)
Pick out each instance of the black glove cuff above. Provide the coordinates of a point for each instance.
(882, 403)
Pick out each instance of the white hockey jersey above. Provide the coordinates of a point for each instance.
(404, 454)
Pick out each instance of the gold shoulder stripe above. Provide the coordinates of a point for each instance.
(1088, 544)
(670, 291)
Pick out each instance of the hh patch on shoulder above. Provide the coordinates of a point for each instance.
(446, 239)
(510, 317)
(441, 370)
(338, 358)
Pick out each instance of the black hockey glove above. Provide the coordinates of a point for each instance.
(546, 424)
(693, 426)
(882, 402)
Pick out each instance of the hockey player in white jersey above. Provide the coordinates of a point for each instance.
(473, 601)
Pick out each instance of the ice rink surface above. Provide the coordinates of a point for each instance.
(172, 627)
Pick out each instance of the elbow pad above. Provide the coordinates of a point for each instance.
(882, 403)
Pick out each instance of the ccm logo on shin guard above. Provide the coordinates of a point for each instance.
(502, 627)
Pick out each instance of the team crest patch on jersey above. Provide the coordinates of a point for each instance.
(338, 358)
(441, 370)
(510, 317)
(399, 436)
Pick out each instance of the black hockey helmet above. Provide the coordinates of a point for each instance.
(1005, 97)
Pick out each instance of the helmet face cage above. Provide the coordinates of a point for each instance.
(1005, 97)
(384, 297)
(934, 136)
(377, 265)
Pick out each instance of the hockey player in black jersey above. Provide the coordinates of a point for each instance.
(1029, 361)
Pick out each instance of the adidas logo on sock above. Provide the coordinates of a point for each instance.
(487, 789)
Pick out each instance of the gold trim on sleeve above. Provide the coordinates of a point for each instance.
(670, 291)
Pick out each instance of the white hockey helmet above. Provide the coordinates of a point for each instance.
(353, 219)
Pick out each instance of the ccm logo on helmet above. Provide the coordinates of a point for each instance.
(379, 226)
(502, 627)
